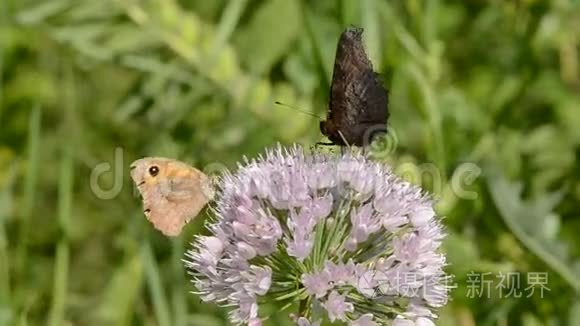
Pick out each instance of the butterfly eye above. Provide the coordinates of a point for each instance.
(154, 170)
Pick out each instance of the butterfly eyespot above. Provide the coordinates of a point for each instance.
(154, 170)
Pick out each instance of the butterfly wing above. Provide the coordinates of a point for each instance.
(182, 198)
(358, 101)
(172, 197)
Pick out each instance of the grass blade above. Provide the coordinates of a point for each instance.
(178, 298)
(64, 207)
(160, 305)
(65, 192)
(6, 198)
(30, 182)
(230, 18)
(57, 311)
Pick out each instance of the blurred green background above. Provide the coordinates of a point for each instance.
(87, 86)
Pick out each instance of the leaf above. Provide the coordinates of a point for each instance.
(574, 315)
(322, 48)
(205, 320)
(528, 220)
(505, 92)
(229, 21)
(372, 39)
(261, 47)
(43, 11)
(121, 294)
(530, 320)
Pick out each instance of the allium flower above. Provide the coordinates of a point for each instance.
(335, 235)
(337, 306)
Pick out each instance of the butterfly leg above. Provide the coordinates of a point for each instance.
(324, 144)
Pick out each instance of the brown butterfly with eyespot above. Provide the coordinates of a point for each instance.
(358, 106)
(173, 192)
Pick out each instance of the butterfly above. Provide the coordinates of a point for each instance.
(173, 192)
(358, 106)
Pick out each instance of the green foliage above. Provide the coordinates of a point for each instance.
(493, 83)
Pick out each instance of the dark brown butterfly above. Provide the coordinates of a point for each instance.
(357, 110)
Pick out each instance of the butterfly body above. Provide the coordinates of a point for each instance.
(173, 192)
(358, 101)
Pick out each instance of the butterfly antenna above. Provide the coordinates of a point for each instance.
(299, 110)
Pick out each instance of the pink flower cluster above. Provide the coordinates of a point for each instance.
(340, 232)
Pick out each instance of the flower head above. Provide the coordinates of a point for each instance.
(338, 233)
